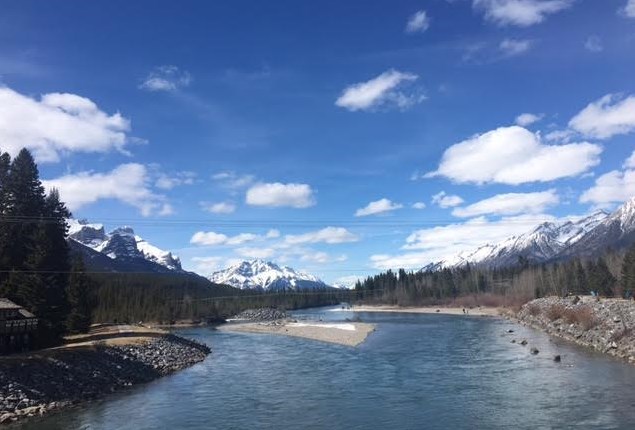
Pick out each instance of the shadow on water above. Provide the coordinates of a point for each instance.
(415, 371)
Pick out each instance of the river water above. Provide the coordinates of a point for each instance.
(414, 372)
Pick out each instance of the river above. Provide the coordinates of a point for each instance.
(415, 372)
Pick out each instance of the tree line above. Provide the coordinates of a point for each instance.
(610, 275)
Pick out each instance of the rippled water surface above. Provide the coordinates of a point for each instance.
(414, 372)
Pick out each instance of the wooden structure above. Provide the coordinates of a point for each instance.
(17, 326)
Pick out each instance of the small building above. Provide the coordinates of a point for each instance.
(17, 326)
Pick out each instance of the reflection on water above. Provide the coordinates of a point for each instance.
(415, 371)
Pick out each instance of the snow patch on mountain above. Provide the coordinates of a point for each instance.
(544, 242)
(121, 243)
(266, 276)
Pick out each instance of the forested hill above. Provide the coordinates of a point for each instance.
(612, 274)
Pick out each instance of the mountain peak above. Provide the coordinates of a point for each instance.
(121, 243)
(265, 276)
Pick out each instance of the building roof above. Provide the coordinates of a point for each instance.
(8, 304)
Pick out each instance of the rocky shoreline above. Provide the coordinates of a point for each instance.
(605, 325)
(35, 384)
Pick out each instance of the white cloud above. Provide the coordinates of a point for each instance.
(272, 234)
(522, 13)
(378, 207)
(278, 195)
(210, 238)
(604, 118)
(262, 253)
(630, 162)
(167, 182)
(419, 205)
(613, 187)
(444, 200)
(514, 155)
(330, 235)
(166, 78)
(510, 204)
(593, 44)
(232, 180)
(128, 183)
(629, 9)
(58, 123)
(526, 119)
(513, 47)
(419, 22)
(208, 264)
(442, 242)
(379, 91)
(219, 208)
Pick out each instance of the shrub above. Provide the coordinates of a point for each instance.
(533, 309)
(581, 315)
(555, 312)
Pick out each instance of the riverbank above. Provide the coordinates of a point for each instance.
(109, 359)
(348, 333)
(479, 311)
(605, 325)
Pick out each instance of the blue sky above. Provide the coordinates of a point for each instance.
(339, 137)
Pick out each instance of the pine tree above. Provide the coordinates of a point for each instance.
(5, 165)
(79, 293)
(600, 278)
(628, 271)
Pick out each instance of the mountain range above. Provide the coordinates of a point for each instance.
(120, 250)
(552, 241)
(266, 276)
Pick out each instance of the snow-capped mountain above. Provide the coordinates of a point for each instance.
(266, 276)
(615, 231)
(120, 244)
(545, 242)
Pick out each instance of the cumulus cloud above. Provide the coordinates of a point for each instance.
(615, 186)
(607, 117)
(380, 91)
(437, 243)
(514, 155)
(419, 205)
(330, 235)
(522, 13)
(278, 195)
(212, 238)
(513, 47)
(510, 204)
(593, 44)
(525, 119)
(445, 200)
(58, 123)
(219, 208)
(166, 78)
(419, 22)
(378, 207)
(128, 183)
